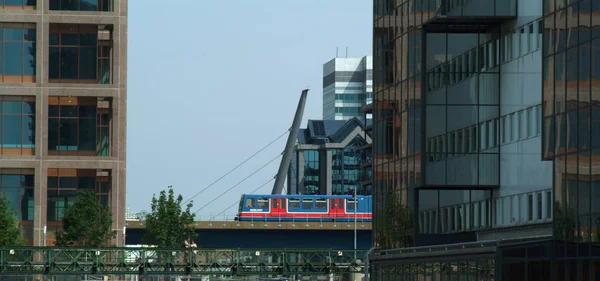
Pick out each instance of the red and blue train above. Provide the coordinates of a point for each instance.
(304, 208)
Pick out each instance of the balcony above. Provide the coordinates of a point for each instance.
(470, 12)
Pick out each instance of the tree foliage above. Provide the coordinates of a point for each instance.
(167, 225)
(86, 223)
(10, 231)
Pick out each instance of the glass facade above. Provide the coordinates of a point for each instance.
(346, 169)
(18, 4)
(312, 170)
(63, 185)
(81, 5)
(17, 52)
(79, 126)
(17, 186)
(78, 56)
(571, 132)
(17, 125)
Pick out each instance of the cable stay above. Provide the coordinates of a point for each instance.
(235, 168)
(237, 202)
(256, 171)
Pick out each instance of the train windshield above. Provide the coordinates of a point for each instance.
(241, 202)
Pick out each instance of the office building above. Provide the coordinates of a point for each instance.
(485, 132)
(347, 86)
(328, 159)
(63, 93)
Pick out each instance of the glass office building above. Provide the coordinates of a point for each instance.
(484, 133)
(63, 92)
(329, 159)
(347, 87)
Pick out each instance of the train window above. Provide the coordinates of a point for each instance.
(263, 203)
(307, 203)
(249, 202)
(275, 203)
(294, 203)
(350, 204)
(321, 204)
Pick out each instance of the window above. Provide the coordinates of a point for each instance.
(16, 185)
(249, 203)
(294, 203)
(81, 5)
(263, 203)
(350, 204)
(78, 55)
(530, 207)
(17, 125)
(17, 4)
(63, 185)
(307, 203)
(17, 53)
(321, 203)
(539, 206)
(79, 126)
(530, 122)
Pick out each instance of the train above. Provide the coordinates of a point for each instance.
(340, 208)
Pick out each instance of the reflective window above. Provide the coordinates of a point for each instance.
(63, 185)
(78, 55)
(17, 125)
(17, 53)
(79, 126)
(18, 4)
(81, 5)
(17, 186)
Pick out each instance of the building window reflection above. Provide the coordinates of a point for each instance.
(17, 186)
(79, 126)
(63, 185)
(17, 125)
(311, 172)
(79, 55)
(18, 4)
(81, 5)
(17, 55)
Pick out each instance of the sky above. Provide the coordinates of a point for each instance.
(210, 82)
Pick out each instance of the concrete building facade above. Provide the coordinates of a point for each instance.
(347, 86)
(63, 92)
(484, 133)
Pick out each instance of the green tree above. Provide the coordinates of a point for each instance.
(10, 231)
(398, 223)
(86, 222)
(167, 225)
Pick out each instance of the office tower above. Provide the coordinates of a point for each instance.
(63, 97)
(347, 86)
(328, 159)
(485, 133)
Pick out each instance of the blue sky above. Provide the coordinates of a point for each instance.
(213, 81)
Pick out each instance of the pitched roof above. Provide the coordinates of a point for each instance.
(320, 131)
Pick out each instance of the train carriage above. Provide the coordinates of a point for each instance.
(304, 208)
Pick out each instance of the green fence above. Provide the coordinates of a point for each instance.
(155, 261)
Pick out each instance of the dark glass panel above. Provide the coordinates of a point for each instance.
(12, 107)
(28, 181)
(89, 5)
(68, 134)
(595, 126)
(88, 39)
(27, 205)
(87, 63)
(11, 181)
(28, 131)
(54, 5)
(106, 5)
(573, 37)
(52, 182)
(87, 134)
(54, 63)
(68, 111)
(559, 77)
(72, 5)
(69, 39)
(54, 38)
(584, 128)
(87, 111)
(29, 34)
(13, 2)
(29, 107)
(68, 63)
(53, 111)
(29, 58)
(53, 130)
(584, 74)
(87, 182)
(13, 58)
(12, 131)
(571, 74)
(67, 182)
